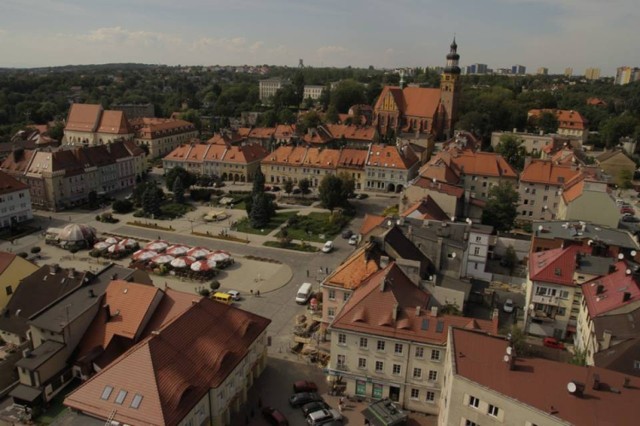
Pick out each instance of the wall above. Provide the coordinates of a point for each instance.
(15, 205)
(592, 206)
(16, 271)
(535, 193)
(521, 246)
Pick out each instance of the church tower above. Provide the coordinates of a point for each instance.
(450, 91)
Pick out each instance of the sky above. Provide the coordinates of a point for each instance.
(394, 33)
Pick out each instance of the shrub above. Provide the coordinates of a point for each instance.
(122, 206)
(204, 292)
(94, 253)
(35, 250)
(98, 218)
(215, 284)
(23, 254)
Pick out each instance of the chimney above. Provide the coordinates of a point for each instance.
(394, 314)
(107, 311)
(606, 339)
(626, 383)
(91, 293)
(53, 269)
(575, 388)
(599, 289)
(72, 273)
(596, 382)
(434, 311)
(384, 261)
(626, 296)
(418, 310)
(114, 276)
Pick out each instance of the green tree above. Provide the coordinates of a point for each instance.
(260, 211)
(547, 122)
(151, 201)
(304, 185)
(268, 119)
(617, 127)
(518, 340)
(511, 149)
(335, 190)
(501, 209)
(56, 131)
(510, 259)
(285, 116)
(186, 177)
(178, 190)
(309, 120)
(192, 116)
(475, 122)
(122, 206)
(346, 94)
(332, 115)
(258, 182)
(624, 179)
(288, 186)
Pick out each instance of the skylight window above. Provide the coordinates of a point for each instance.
(121, 396)
(106, 393)
(137, 399)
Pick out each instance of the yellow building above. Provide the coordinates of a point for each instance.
(12, 270)
(592, 73)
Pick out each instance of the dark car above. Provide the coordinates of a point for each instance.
(304, 386)
(299, 399)
(630, 218)
(274, 417)
(275, 189)
(627, 209)
(347, 233)
(314, 406)
(296, 191)
(552, 342)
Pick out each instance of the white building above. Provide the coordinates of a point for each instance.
(313, 91)
(15, 201)
(269, 87)
(478, 251)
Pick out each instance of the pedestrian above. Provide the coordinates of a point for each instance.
(340, 407)
(258, 293)
(251, 291)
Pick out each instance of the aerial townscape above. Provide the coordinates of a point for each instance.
(440, 243)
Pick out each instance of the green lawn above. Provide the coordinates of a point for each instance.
(244, 226)
(311, 227)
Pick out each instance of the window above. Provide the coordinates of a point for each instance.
(435, 355)
(106, 393)
(8, 290)
(415, 393)
(363, 342)
(381, 345)
(396, 368)
(362, 363)
(345, 296)
(121, 396)
(478, 239)
(331, 312)
(419, 352)
(342, 339)
(417, 373)
(493, 410)
(636, 364)
(398, 349)
(342, 360)
(433, 375)
(476, 251)
(137, 399)
(431, 396)
(470, 423)
(379, 366)
(332, 294)
(473, 402)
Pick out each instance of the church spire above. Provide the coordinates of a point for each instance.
(452, 59)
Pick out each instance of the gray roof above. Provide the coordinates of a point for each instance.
(595, 265)
(580, 231)
(40, 355)
(57, 316)
(405, 248)
(456, 233)
(620, 357)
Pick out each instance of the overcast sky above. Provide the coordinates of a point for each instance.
(391, 33)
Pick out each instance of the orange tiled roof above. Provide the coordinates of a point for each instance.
(351, 132)
(114, 122)
(288, 155)
(262, 132)
(355, 269)
(370, 222)
(391, 157)
(567, 119)
(9, 184)
(352, 158)
(83, 117)
(284, 131)
(317, 136)
(174, 367)
(397, 95)
(245, 154)
(421, 102)
(370, 310)
(545, 172)
(152, 127)
(565, 156)
(483, 164)
(556, 265)
(438, 186)
(322, 158)
(426, 208)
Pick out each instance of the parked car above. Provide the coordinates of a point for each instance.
(301, 398)
(627, 209)
(552, 342)
(296, 191)
(508, 306)
(235, 295)
(347, 233)
(328, 246)
(304, 386)
(628, 217)
(323, 416)
(274, 417)
(314, 406)
(353, 240)
(275, 188)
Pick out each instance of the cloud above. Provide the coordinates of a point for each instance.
(233, 45)
(120, 36)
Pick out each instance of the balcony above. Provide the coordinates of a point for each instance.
(546, 300)
(342, 367)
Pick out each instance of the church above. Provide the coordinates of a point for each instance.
(421, 111)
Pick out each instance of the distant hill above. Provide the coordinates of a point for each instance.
(91, 67)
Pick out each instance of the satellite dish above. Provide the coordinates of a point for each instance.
(453, 218)
(633, 253)
(453, 255)
(389, 223)
(572, 387)
(434, 180)
(506, 358)
(540, 227)
(509, 350)
(628, 272)
(621, 256)
(589, 242)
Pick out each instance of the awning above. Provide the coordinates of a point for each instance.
(25, 393)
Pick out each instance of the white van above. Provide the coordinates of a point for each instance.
(304, 293)
(323, 416)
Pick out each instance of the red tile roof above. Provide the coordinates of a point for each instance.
(83, 117)
(370, 222)
(5, 260)
(421, 102)
(567, 119)
(426, 208)
(9, 185)
(392, 157)
(351, 132)
(614, 286)
(438, 186)
(173, 368)
(542, 384)
(387, 305)
(556, 265)
(355, 269)
(352, 158)
(151, 127)
(546, 172)
(114, 122)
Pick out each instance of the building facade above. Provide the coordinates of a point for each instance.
(269, 87)
(15, 202)
(312, 92)
(90, 124)
(161, 135)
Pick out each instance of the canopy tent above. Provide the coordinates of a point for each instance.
(76, 233)
(182, 262)
(198, 252)
(144, 255)
(178, 250)
(157, 245)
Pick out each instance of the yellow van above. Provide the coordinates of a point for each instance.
(222, 297)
